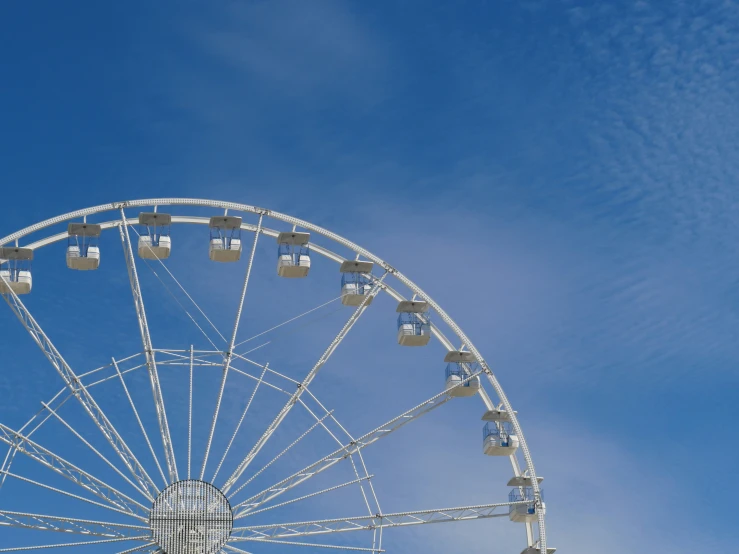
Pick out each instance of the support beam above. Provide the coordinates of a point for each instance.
(240, 423)
(69, 471)
(69, 494)
(376, 287)
(84, 441)
(369, 523)
(81, 393)
(70, 525)
(189, 419)
(249, 505)
(151, 364)
(315, 545)
(150, 545)
(138, 420)
(70, 544)
(314, 494)
(229, 352)
(282, 453)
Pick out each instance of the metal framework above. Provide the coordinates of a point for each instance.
(301, 388)
(156, 389)
(46, 458)
(180, 522)
(368, 523)
(70, 525)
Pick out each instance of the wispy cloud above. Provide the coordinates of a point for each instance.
(297, 49)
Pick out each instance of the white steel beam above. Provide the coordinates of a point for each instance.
(141, 548)
(156, 389)
(229, 548)
(69, 471)
(240, 423)
(71, 544)
(70, 525)
(189, 419)
(313, 494)
(229, 352)
(69, 494)
(84, 441)
(315, 545)
(302, 386)
(250, 504)
(285, 451)
(81, 393)
(369, 523)
(138, 420)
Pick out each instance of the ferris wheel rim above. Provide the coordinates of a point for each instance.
(505, 404)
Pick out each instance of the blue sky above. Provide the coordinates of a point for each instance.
(558, 175)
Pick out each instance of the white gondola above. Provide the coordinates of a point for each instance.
(15, 270)
(524, 513)
(356, 282)
(83, 251)
(414, 325)
(225, 239)
(460, 365)
(523, 481)
(497, 415)
(155, 242)
(498, 440)
(293, 255)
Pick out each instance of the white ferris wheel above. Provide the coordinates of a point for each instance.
(149, 453)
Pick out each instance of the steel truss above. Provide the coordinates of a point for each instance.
(80, 392)
(70, 525)
(151, 363)
(249, 505)
(229, 353)
(69, 471)
(368, 523)
(71, 544)
(302, 387)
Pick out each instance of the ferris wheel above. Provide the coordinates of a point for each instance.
(117, 461)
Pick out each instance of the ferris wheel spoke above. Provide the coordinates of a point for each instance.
(71, 544)
(301, 387)
(229, 352)
(273, 460)
(313, 545)
(342, 453)
(138, 301)
(359, 480)
(249, 505)
(80, 392)
(141, 548)
(94, 450)
(241, 421)
(369, 523)
(359, 455)
(69, 471)
(189, 417)
(71, 495)
(138, 420)
(229, 548)
(313, 494)
(69, 525)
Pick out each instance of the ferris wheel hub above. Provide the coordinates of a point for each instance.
(191, 517)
